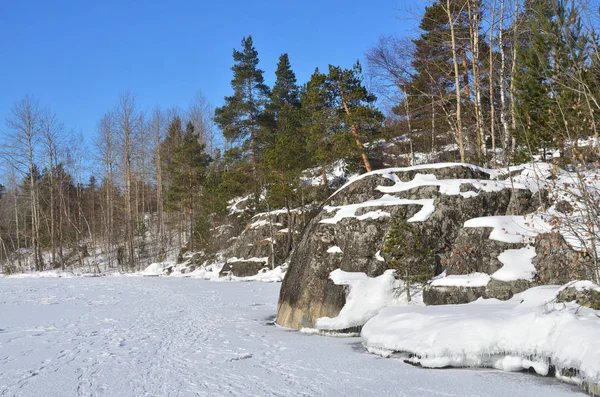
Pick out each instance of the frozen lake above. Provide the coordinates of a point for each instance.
(145, 336)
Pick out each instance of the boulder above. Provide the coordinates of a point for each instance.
(585, 293)
(264, 229)
(502, 290)
(307, 293)
(557, 263)
(243, 268)
(451, 295)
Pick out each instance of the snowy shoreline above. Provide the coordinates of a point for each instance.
(192, 337)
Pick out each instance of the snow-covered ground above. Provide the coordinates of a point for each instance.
(155, 336)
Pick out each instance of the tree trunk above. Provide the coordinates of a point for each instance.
(360, 146)
(474, 33)
(491, 84)
(506, 131)
(513, 71)
(456, 85)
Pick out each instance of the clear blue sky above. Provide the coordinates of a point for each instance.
(78, 56)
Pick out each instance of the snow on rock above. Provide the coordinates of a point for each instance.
(235, 204)
(510, 228)
(265, 275)
(263, 222)
(337, 170)
(472, 280)
(253, 259)
(157, 269)
(450, 186)
(334, 250)
(379, 257)
(366, 297)
(348, 211)
(529, 330)
(581, 285)
(390, 173)
(517, 265)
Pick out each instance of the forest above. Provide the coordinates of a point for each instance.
(492, 83)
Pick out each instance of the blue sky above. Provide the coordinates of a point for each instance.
(78, 56)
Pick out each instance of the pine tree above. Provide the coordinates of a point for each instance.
(188, 172)
(318, 121)
(552, 75)
(285, 148)
(239, 118)
(430, 92)
(405, 251)
(358, 119)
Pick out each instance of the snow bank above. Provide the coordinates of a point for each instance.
(158, 268)
(266, 275)
(581, 285)
(366, 297)
(47, 274)
(529, 330)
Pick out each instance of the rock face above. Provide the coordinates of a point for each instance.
(497, 289)
(357, 226)
(251, 250)
(584, 293)
(557, 263)
(243, 268)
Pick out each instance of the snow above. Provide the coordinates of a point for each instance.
(314, 177)
(472, 280)
(517, 265)
(334, 250)
(379, 257)
(582, 285)
(450, 186)
(265, 275)
(529, 330)
(510, 228)
(264, 259)
(263, 222)
(390, 173)
(159, 336)
(233, 204)
(348, 211)
(366, 297)
(157, 269)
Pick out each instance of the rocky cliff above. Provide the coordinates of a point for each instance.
(462, 211)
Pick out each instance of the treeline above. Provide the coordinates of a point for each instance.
(159, 183)
(504, 77)
(487, 82)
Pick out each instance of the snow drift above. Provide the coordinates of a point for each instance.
(531, 330)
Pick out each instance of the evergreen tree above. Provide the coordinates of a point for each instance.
(285, 149)
(318, 121)
(239, 118)
(188, 172)
(357, 119)
(430, 92)
(553, 71)
(406, 251)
